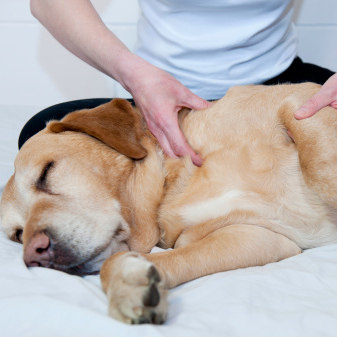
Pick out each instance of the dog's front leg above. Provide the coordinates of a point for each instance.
(136, 292)
(137, 285)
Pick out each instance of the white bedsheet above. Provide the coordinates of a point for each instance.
(295, 297)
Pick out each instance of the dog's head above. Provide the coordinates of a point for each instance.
(63, 201)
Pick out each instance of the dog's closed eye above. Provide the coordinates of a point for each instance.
(41, 183)
(17, 236)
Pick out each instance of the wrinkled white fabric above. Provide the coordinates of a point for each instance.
(295, 297)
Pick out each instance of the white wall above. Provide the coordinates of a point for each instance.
(36, 71)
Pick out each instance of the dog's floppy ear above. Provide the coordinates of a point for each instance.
(116, 124)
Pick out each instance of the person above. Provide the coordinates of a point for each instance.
(188, 53)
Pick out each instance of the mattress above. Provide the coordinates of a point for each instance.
(294, 297)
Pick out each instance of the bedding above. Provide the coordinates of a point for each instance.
(294, 297)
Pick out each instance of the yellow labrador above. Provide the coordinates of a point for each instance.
(95, 189)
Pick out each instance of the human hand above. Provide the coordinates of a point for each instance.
(326, 96)
(159, 97)
(157, 94)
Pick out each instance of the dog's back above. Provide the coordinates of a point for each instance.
(251, 172)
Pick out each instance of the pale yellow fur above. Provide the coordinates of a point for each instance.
(259, 196)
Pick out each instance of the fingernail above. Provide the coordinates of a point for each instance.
(198, 160)
(300, 113)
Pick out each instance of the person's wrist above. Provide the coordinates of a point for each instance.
(128, 69)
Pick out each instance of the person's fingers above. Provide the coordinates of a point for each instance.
(313, 105)
(326, 96)
(182, 148)
(159, 105)
(165, 128)
(165, 145)
(156, 130)
(290, 134)
(179, 144)
(195, 102)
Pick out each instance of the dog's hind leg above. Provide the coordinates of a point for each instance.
(136, 285)
(316, 141)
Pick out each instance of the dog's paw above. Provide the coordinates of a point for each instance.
(136, 293)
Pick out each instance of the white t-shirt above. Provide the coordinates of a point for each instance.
(211, 45)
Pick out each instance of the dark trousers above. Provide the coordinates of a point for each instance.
(298, 72)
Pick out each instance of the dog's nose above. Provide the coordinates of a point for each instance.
(38, 252)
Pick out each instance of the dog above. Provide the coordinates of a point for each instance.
(95, 193)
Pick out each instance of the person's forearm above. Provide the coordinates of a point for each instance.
(78, 27)
(158, 95)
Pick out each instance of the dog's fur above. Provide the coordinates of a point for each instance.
(97, 183)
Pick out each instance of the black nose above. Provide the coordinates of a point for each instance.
(38, 251)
